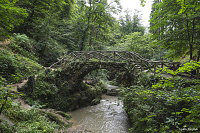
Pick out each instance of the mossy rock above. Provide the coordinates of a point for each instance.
(59, 117)
(67, 116)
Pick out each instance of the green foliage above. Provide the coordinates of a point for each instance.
(130, 24)
(171, 105)
(55, 90)
(2, 81)
(21, 44)
(46, 30)
(11, 16)
(49, 91)
(67, 116)
(141, 44)
(41, 10)
(101, 85)
(174, 23)
(143, 2)
(186, 68)
(6, 98)
(93, 23)
(31, 120)
(49, 52)
(14, 67)
(45, 89)
(5, 127)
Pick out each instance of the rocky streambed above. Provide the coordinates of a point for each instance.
(106, 117)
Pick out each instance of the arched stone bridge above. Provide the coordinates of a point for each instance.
(113, 58)
(76, 65)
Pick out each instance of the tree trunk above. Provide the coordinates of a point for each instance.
(83, 39)
(85, 31)
(198, 56)
(31, 85)
(189, 39)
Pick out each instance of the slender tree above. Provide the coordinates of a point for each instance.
(130, 24)
(175, 25)
(93, 23)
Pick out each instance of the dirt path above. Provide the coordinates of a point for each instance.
(51, 113)
(19, 99)
(14, 88)
(18, 85)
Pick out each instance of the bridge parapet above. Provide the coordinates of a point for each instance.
(115, 56)
(109, 56)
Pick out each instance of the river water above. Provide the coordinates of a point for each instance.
(106, 117)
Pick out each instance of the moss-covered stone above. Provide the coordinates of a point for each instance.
(53, 90)
(57, 117)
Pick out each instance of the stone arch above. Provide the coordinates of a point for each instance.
(77, 71)
(76, 65)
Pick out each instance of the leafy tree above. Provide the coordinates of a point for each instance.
(130, 24)
(39, 10)
(174, 23)
(11, 16)
(190, 10)
(93, 22)
(48, 25)
(141, 44)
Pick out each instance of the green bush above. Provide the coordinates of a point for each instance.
(48, 91)
(5, 127)
(6, 98)
(2, 81)
(49, 51)
(21, 44)
(30, 121)
(152, 110)
(24, 42)
(45, 87)
(170, 105)
(17, 49)
(14, 67)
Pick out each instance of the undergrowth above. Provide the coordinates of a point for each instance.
(53, 91)
(165, 105)
(14, 68)
(27, 121)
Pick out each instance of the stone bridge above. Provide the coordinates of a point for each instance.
(76, 65)
(113, 58)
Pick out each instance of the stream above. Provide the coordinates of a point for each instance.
(106, 117)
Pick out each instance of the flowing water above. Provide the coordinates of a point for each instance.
(106, 117)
